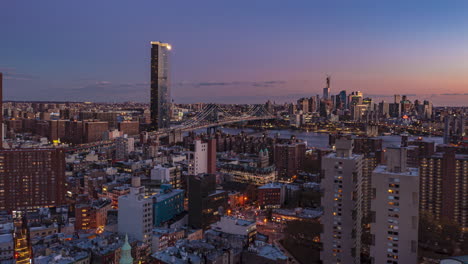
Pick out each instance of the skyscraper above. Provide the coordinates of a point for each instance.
(343, 99)
(326, 90)
(341, 220)
(160, 85)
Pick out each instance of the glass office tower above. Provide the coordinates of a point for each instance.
(160, 85)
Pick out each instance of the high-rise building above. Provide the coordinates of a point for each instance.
(394, 110)
(94, 131)
(160, 85)
(289, 158)
(326, 90)
(444, 191)
(123, 147)
(313, 104)
(397, 99)
(203, 157)
(395, 207)
(454, 128)
(371, 149)
(130, 128)
(303, 105)
(56, 130)
(341, 220)
(343, 99)
(384, 109)
(204, 201)
(135, 216)
(31, 178)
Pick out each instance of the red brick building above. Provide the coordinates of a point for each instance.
(31, 178)
(289, 158)
(94, 131)
(92, 214)
(130, 127)
(271, 195)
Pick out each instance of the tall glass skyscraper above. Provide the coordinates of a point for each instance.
(160, 85)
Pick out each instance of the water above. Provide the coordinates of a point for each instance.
(320, 140)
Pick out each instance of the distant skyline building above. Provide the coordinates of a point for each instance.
(326, 90)
(343, 99)
(160, 85)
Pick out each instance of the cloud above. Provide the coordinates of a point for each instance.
(103, 83)
(454, 94)
(232, 83)
(13, 74)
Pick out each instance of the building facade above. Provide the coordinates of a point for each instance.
(444, 187)
(205, 202)
(135, 216)
(31, 178)
(203, 157)
(341, 220)
(167, 204)
(395, 207)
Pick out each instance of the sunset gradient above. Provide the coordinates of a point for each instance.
(235, 51)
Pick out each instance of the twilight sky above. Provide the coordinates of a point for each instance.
(234, 51)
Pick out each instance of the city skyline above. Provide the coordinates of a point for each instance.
(381, 50)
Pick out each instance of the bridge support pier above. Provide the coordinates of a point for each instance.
(176, 136)
(211, 130)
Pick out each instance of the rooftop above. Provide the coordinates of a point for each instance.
(273, 185)
(409, 172)
(5, 238)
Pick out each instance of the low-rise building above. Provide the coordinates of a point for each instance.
(167, 204)
(271, 195)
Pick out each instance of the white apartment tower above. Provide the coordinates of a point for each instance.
(135, 216)
(342, 203)
(396, 210)
(203, 158)
(198, 160)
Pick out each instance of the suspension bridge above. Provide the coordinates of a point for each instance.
(213, 116)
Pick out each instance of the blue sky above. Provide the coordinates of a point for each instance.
(234, 51)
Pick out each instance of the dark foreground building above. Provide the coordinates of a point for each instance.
(205, 202)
